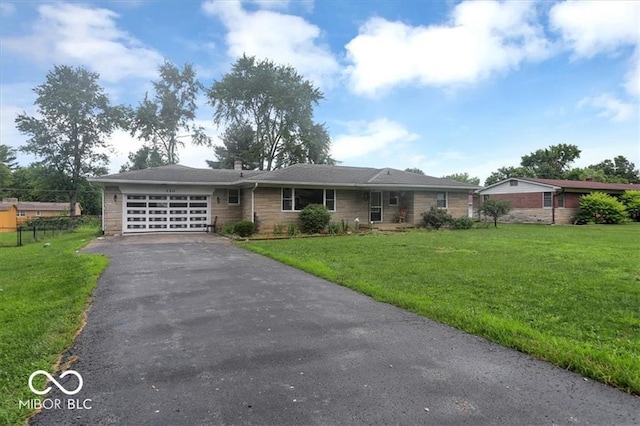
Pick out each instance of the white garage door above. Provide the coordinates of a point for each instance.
(165, 213)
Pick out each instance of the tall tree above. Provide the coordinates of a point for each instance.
(414, 170)
(463, 177)
(238, 142)
(76, 120)
(143, 158)
(619, 169)
(163, 120)
(8, 157)
(552, 162)
(277, 103)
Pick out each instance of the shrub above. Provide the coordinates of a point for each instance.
(334, 228)
(226, 229)
(277, 229)
(599, 207)
(292, 230)
(314, 218)
(495, 209)
(461, 223)
(244, 228)
(631, 200)
(436, 218)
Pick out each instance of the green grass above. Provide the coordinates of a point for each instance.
(44, 292)
(568, 295)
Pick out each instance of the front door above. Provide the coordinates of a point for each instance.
(375, 206)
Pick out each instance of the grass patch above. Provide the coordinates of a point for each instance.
(44, 292)
(568, 295)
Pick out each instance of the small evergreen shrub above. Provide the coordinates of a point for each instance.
(244, 228)
(461, 223)
(314, 218)
(631, 200)
(226, 229)
(599, 207)
(436, 218)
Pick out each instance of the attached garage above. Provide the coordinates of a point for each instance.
(165, 213)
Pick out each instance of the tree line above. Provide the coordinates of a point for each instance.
(267, 110)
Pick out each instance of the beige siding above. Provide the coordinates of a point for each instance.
(226, 213)
(113, 210)
(521, 187)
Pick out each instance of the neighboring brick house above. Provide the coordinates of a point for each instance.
(546, 200)
(180, 198)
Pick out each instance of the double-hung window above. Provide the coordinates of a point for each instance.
(296, 199)
(547, 200)
(233, 197)
(441, 200)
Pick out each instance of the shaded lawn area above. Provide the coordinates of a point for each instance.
(568, 295)
(44, 292)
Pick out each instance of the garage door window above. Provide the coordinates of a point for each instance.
(144, 213)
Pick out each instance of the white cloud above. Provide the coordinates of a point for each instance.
(368, 137)
(482, 38)
(79, 35)
(611, 107)
(593, 27)
(284, 39)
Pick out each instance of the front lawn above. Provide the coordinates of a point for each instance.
(44, 291)
(568, 295)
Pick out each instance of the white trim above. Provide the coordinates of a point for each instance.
(229, 196)
(446, 199)
(293, 198)
(551, 194)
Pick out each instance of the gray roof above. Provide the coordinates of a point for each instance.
(363, 177)
(297, 174)
(6, 206)
(37, 205)
(177, 174)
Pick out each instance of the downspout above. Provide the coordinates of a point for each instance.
(103, 228)
(253, 203)
(553, 207)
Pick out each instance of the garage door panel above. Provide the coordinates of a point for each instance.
(149, 213)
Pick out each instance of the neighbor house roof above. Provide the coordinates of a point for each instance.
(298, 174)
(34, 205)
(580, 184)
(6, 206)
(571, 185)
(177, 174)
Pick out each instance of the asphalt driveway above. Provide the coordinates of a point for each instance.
(198, 333)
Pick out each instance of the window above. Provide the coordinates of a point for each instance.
(298, 198)
(393, 198)
(233, 196)
(37, 212)
(513, 183)
(21, 213)
(560, 199)
(441, 200)
(485, 197)
(547, 200)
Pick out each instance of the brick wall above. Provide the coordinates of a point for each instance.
(457, 204)
(228, 213)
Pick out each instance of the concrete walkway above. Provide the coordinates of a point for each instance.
(200, 333)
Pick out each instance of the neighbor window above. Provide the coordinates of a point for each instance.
(441, 200)
(485, 197)
(299, 198)
(393, 198)
(560, 199)
(547, 200)
(233, 196)
(21, 213)
(37, 212)
(513, 183)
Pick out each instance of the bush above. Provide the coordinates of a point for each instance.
(599, 207)
(436, 218)
(244, 228)
(314, 218)
(495, 209)
(292, 230)
(631, 200)
(461, 223)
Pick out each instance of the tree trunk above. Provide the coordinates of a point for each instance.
(72, 202)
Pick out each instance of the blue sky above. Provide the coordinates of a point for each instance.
(446, 87)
